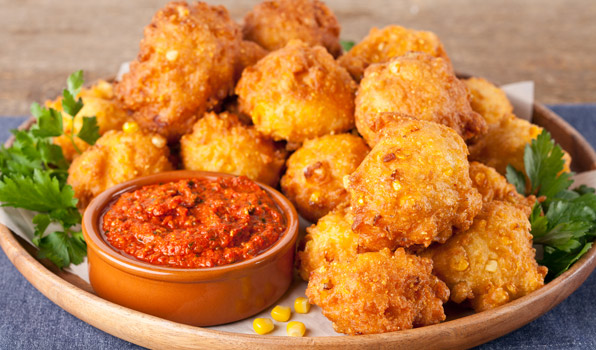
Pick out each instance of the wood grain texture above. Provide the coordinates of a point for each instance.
(464, 332)
(548, 41)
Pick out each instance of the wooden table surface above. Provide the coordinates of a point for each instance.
(552, 42)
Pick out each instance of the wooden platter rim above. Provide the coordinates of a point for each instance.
(154, 332)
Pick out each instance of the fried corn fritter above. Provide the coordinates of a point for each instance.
(249, 53)
(223, 143)
(379, 292)
(413, 188)
(98, 101)
(380, 45)
(417, 85)
(274, 23)
(492, 186)
(331, 239)
(298, 93)
(314, 177)
(116, 157)
(504, 144)
(186, 65)
(488, 100)
(493, 262)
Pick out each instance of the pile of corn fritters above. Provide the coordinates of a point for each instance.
(397, 161)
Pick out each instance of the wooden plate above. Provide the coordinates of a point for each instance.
(76, 296)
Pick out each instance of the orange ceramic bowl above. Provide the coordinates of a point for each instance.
(201, 296)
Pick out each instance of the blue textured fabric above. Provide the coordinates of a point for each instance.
(29, 320)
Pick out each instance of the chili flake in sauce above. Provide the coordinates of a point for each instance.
(194, 223)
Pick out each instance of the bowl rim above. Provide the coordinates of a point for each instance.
(95, 241)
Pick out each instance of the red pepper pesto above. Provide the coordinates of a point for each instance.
(194, 223)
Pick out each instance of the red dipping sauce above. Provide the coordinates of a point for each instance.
(194, 223)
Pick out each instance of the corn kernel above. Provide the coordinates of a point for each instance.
(301, 305)
(171, 55)
(158, 141)
(262, 325)
(396, 185)
(296, 329)
(491, 266)
(281, 313)
(130, 127)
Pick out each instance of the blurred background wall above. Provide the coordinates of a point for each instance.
(552, 42)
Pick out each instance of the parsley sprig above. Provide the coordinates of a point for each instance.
(33, 175)
(563, 220)
(347, 45)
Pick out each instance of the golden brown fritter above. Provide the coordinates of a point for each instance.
(493, 262)
(504, 144)
(314, 177)
(417, 85)
(379, 292)
(274, 23)
(380, 45)
(331, 239)
(249, 53)
(98, 101)
(413, 188)
(298, 93)
(186, 65)
(488, 100)
(224, 144)
(492, 186)
(116, 157)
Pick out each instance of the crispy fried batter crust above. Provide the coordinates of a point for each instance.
(186, 65)
(493, 262)
(273, 23)
(417, 85)
(314, 178)
(222, 143)
(379, 292)
(331, 239)
(380, 45)
(413, 187)
(116, 157)
(298, 93)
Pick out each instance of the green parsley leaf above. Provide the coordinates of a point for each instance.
(49, 122)
(559, 261)
(89, 131)
(70, 104)
(33, 174)
(347, 45)
(516, 178)
(564, 221)
(74, 83)
(41, 192)
(544, 164)
(63, 249)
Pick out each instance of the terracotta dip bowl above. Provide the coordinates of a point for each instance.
(197, 296)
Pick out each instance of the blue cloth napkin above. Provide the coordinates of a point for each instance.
(28, 320)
